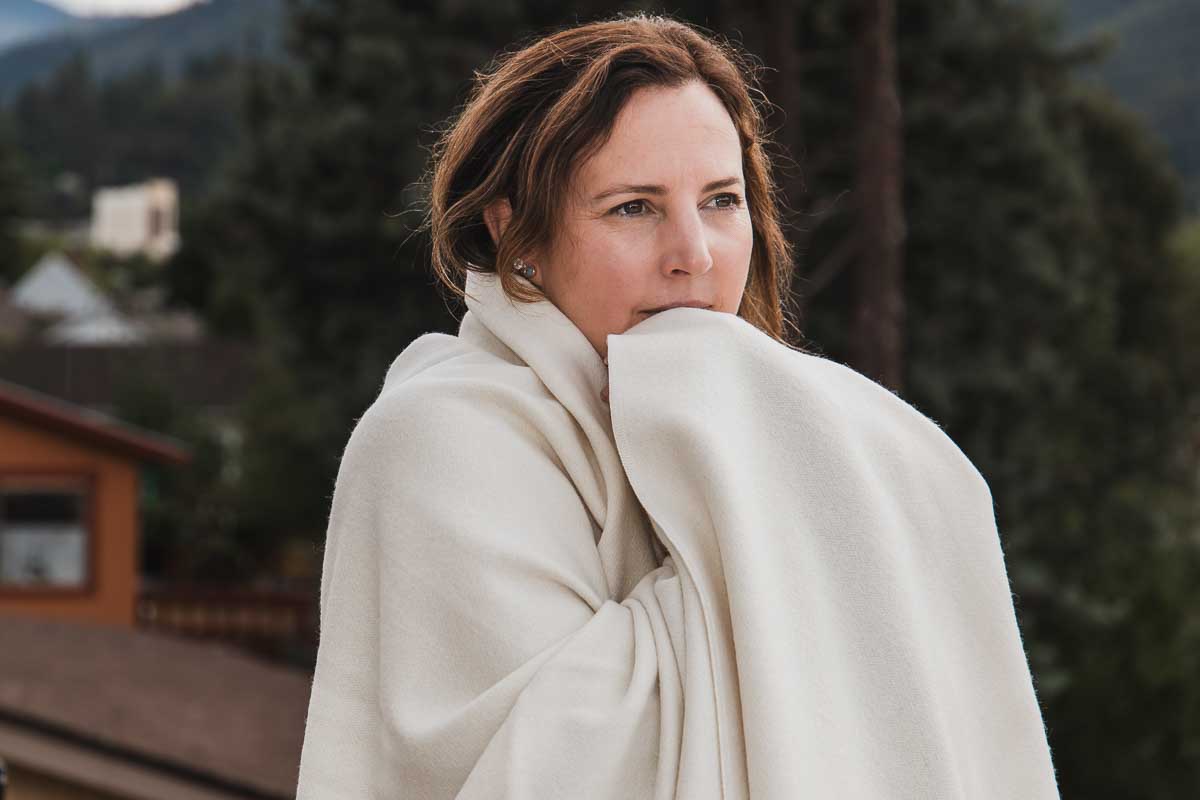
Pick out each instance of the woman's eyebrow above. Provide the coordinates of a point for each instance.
(646, 188)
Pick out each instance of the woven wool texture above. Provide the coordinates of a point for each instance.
(756, 574)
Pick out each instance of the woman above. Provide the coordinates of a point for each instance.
(755, 573)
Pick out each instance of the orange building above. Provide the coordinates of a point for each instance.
(69, 524)
(117, 710)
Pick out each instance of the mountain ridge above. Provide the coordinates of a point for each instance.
(23, 20)
(116, 45)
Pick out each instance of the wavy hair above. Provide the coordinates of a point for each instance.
(540, 111)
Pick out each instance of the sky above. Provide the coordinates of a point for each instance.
(110, 7)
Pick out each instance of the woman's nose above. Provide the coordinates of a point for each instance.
(688, 249)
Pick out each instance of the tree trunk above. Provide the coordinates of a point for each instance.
(877, 327)
(782, 87)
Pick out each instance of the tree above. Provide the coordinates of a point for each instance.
(1042, 339)
(13, 190)
(877, 332)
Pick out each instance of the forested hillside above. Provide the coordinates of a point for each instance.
(1154, 67)
(245, 27)
(26, 19)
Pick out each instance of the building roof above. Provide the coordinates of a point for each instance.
(106, 328)
(205, 712)
(77, 422)
(54, 285)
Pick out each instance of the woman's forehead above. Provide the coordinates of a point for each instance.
(663, 136)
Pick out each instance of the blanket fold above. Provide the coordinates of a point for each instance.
(758, 574)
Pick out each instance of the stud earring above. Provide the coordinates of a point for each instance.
(525, 270)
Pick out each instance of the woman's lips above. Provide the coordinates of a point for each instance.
(688, 304)
(654, 311)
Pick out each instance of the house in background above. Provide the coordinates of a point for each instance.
(70, 307)
(141, 218)
(101, 712)
(70, 545)
(69, 348)
(54, 285)
(101, 698)
(69, 521)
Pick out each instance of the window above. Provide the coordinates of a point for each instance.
(44, 532)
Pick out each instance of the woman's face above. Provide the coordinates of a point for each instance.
(656, 217)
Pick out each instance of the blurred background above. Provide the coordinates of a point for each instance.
(209, 255)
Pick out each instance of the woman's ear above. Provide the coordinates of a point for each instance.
(496, 217)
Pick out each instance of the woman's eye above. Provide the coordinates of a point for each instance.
(637, 208)
(733, 200)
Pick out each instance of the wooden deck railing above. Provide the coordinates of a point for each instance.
(275, 624)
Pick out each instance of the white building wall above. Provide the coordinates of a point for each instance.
(138, 218)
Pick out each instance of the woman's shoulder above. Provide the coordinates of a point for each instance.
(442, 366)
(445, 389)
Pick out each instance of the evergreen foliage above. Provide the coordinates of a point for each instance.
(1152, 64)
(13, 201)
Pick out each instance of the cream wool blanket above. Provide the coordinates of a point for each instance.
(812, 604)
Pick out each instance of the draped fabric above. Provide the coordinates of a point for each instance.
(756, 574)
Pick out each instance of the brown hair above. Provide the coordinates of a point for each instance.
(540, 111)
